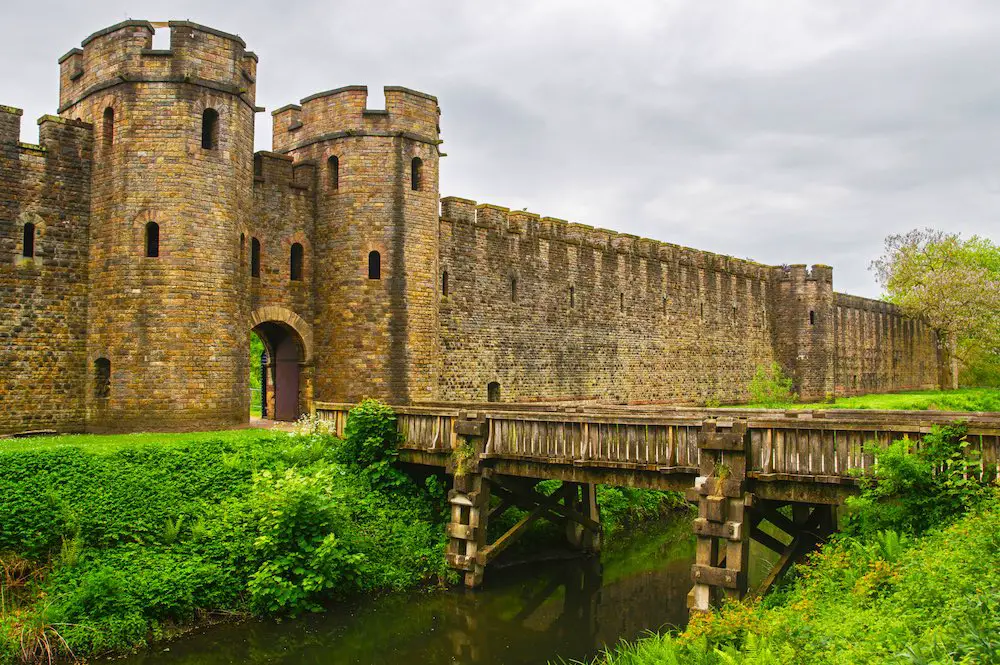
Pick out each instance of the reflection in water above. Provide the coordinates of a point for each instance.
(527, 614)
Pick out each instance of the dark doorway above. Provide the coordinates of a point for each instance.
(493, 392)
(280, 369)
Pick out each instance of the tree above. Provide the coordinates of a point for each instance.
(950, 283)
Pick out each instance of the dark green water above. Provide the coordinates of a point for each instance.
(524, 614)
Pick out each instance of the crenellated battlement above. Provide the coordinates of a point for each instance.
(801, 273)
(10, 125)
(124, 53)
(531, 225)
(343, 112)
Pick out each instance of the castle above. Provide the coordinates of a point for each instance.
(142, 240)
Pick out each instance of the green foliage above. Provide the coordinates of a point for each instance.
(119, 541)
(914, 577)
(913, 488)
(256, 395)
(770, 388)
(298, 518)
(462, 456)
(951, 283)
(370, 442)
(967, 399)
(981, 367)
(626, 506)
(171, 529)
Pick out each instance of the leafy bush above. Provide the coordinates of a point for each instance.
(770, 387)
(625, 506)
(298, 519)
(935, 599)
(914, 488)
(370, 442)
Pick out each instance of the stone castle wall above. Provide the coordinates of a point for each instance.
(373, 337)
(880, 350)
(284, 207)
(553, 310)
(467, 295)
(43, 299)
(172, 326)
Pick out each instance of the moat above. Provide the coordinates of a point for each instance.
(531, 613)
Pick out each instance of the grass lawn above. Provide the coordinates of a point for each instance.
(966, 399)
(109, 443)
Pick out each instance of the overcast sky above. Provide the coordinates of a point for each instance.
(783, 131)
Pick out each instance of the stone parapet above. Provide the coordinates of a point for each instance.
(124, 53)
(529, 225)
(343, 112)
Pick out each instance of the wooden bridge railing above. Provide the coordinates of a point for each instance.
(809, 446)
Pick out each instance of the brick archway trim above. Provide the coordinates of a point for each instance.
(276, 314)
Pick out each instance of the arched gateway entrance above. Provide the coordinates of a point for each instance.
(286, 381)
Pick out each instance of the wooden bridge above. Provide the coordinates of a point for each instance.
(742, 466)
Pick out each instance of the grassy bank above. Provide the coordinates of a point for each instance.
(966, 399)
(934, 599)
(913, 578)
(110, 542)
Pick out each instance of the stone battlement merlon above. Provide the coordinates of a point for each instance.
(528, 224)
(342, 112)
(10, 124)
(272, 169)
(124, 53)
(52, 130)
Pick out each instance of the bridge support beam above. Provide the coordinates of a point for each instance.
(809, 526)
(573, 507)
(723, 542)
(470, 501)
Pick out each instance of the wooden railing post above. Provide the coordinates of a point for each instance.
(723, 545)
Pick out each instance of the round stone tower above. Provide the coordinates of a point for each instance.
(375, 239)
(172, 187)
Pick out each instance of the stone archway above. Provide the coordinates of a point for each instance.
(287, 380)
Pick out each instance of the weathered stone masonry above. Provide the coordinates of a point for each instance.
(96, 334)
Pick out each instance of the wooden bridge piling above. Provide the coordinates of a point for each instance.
(722, 550)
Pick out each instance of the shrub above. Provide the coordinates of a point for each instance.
(916, 487)
(770, 387)
(623, 506)
(107, 548)
(370, 441)
(301, 558)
